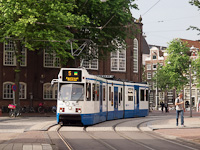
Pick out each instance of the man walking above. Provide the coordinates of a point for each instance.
(179, 103)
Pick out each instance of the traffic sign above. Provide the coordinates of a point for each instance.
(14, 87)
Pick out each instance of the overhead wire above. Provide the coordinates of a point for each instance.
(151, 7)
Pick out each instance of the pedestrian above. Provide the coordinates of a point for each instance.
(166, 107)
(162, 106)
(179, 103)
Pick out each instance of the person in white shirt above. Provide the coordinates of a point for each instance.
(179, 103)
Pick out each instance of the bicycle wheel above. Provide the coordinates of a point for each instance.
(11, 113)
(32, 110)
(41, 109)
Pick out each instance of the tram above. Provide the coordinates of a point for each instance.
(91, 99)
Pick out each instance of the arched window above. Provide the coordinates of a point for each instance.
(8, 93)
(89, 63)
(135, 55)
(118, 57)
(50, 92)
(9, 54)
(7, 90)
(22, 92)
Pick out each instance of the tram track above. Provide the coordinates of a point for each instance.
(180, 142)
(122, 134)
(176, 142)
(130, 139)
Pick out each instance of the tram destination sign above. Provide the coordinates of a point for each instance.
(72, 75)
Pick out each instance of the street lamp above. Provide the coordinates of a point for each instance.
(190, 90)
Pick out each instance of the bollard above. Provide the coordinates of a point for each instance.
(0, 112)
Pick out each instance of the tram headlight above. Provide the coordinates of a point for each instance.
(78, 110)
(62, 109)
(70, 108)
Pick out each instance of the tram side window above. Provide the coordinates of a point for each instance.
(130, 94)
(110, 94)
(141, 95)
(97, 92)
(147, 95)
(88, 91)
(93, 92)
(121, 94)
(119, 98)
(104, 93)
(112, 99)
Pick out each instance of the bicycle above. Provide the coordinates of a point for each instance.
(41, 108)
(27, 109)
(14, 110)
(54, 109)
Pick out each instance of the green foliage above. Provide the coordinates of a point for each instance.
(109, 20)
(38, 24)
(197, 4)
(197, 70)
(173, 74)
(45, 23)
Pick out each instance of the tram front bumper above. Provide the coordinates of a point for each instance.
(70, 118)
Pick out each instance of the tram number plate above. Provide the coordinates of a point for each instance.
(72, 75)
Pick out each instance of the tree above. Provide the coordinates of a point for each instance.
(108, 26)
(174, 73)
(37, 24)
(197, 70)
(58, 25)
(196, 3)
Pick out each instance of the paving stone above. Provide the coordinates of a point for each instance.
(18, 146)
(28, 147)
(37, 147)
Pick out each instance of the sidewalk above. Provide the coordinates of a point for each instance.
(19, 139)
(168, 128)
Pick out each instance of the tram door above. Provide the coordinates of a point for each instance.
(100, 96)
(115, 102)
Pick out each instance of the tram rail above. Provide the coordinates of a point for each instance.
(180, 143)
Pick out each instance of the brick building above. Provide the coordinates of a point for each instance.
(158, 55)
(39, 68)
(195, 92)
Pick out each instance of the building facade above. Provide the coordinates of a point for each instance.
(195, 92)
(157, 56)
(38, 68)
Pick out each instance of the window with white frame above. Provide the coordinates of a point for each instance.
(51, 60)
(118, 60)
(187, 93)
(9, 54)
(161, 95)
(148, 75)
(154, 57)
(90, 64)
(148, 66)
(198, 93)
(7, 90)
(154, 73)
(8, 93)
(135, 55)
(49, 92)
(154, 66)
(93, 63)
(22, 90)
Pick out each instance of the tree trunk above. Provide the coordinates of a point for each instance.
(17, 70)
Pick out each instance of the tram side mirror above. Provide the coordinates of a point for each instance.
(54, 81)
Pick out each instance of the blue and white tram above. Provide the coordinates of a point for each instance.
(90, 99)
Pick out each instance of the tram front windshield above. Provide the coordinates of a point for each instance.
(72, 92)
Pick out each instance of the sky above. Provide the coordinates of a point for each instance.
(165, 20)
